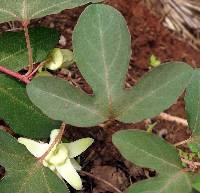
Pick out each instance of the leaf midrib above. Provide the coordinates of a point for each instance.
(106, 73)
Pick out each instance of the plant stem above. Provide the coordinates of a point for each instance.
(84, 173)
(191, 163)
(56, 141)
(28, 45)
(16, 75)
(171, 118)
(183, 142)
(29, 76)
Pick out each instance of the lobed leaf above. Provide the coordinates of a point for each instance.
(147, 150)
(102, 50)
(19, 113)
(23, 10)
(23, 173)
(13, 50)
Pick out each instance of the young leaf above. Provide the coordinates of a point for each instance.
(102, 51)
(23, 10)
(192, 100)
(19, 113)
(24, 174)
(13, 50)
(147, 150)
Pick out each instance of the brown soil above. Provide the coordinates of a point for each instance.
(148, 37)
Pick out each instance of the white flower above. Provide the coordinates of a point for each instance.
(61, 157)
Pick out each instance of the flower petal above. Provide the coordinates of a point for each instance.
(68, 172)
(36, 148)
(75, 164)
(53, 135)
(75, 148)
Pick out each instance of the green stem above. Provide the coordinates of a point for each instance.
(28, 45)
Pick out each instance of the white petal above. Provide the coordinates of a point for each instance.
(53, 135)
(36, 148)
(75, 164)
(77, 147)
(68, 172)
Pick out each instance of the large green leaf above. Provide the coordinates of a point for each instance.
(23, 10)
(13, 51)
(23, 173)
(147, 150)
(102, 49)
(19, 113)
(192, 100)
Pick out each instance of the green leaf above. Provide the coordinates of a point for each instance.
(162, 184)
(74, 107)
(156, 91)
(196, 182)
(23, 10)
(13, 51)
(23, 173)
(147, 150)
(192, 101)
(19, 113)
(102, 51)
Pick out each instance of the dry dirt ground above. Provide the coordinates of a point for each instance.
(148, 37)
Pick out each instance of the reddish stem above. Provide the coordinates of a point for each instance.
(20, 77)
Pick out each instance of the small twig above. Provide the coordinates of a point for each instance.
(183, 142)
(171, 118)
(16, 75)
(57, 140)
(84, 173)
(28, 45)
(190, 163)
(36, 69)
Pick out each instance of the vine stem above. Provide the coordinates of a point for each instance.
(183, 142)
(57, 140)
(28, 45)
(190, 163)
(84, 173)
(16, 75)
(171, 118)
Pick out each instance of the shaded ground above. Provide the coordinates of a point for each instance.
(148, 37)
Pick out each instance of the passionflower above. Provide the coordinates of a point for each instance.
(61, 157)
